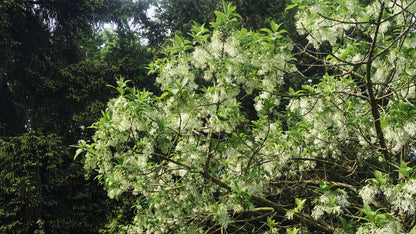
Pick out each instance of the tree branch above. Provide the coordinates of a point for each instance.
(369, 85)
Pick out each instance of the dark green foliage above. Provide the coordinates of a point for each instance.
(39, 189)
(257, 14)
(31, 177)
(179, 15)
(29, 163)
(54, 71)
(45, 42)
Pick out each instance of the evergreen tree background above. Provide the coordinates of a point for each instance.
(55, 66)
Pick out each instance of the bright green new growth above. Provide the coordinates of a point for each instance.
(226, 147)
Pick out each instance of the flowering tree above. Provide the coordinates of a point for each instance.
(226, 147)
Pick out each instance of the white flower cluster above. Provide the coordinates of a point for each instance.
(398, 136)
(200, 58)
(332, 114)
(389, 228)
(403, 197)
(368, 193)
(321, 23)
(330, 203)
(177, 71)
(319, 29)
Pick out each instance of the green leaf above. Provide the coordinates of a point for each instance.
(292, 231)
(299, 203)
(220, 16)
(367, 210)
(163, 95)
(291, 7)
(384, 123)
(307, 88)
(386, 38)
(403, 169)
(271, 223)
(274, 26)
(346, 226)
(266, 30)
(78, 152)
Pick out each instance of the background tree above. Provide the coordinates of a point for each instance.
(178, 16)
(53, 82)
(338, 157)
